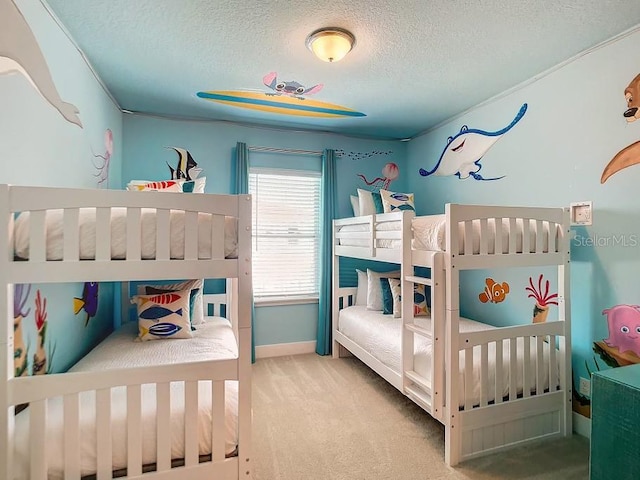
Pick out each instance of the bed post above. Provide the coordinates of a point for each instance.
(406, 289)
(6, 338)
(335, 300)
(564, 315)
(453, 426)
(243, 286)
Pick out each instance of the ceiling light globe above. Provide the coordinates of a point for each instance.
(330, 44)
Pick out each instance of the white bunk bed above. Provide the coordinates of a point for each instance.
(193, 402)
(469, 376)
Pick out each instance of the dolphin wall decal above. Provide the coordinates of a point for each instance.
(20, 53)
(462, 155)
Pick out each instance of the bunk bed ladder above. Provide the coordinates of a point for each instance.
(424, 391)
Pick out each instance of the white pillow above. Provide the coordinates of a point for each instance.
(369, 202)
(363, 285)
(355, 204)
(374, 289)
(194, 186)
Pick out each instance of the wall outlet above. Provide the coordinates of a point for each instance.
(585, 387)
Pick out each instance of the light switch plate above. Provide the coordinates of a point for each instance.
(581, 213)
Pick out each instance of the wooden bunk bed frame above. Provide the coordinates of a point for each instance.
(35, 390)
(472, 430)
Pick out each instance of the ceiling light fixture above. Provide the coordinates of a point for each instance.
(330, 44)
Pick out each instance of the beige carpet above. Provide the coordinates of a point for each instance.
(319, 418)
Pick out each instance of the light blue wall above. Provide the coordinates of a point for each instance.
(555, 155)
(39, 147)
(212, 145)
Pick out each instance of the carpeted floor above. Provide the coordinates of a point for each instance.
(319, 418)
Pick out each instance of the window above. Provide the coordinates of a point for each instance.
(286, 233)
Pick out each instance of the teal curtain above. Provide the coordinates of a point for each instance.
(327, 214)
(240, 184)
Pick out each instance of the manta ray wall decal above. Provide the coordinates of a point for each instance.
(462, 155)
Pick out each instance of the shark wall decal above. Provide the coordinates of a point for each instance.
(462, 155)
(20, 53)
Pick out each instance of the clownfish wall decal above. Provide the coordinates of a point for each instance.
(494, 292)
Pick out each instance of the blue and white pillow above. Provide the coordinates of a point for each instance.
(163, 315)
(394, 201)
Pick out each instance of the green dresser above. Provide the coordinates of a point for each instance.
(615, 424)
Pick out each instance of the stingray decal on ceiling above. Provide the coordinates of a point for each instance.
(20, 53)
(284, 98)
(463, 152)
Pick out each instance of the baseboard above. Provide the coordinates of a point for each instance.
(283, 349)
(581, 425)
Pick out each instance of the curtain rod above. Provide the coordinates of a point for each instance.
(287, 151)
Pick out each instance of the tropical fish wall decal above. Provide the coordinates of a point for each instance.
(20, 53)
(88, 302)
(187, 168)
(463, 152)
(494, 292)
(630, 155)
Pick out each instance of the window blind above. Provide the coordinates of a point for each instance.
(286, 232)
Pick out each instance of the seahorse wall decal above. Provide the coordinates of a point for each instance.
(20, 53)
(463, 152)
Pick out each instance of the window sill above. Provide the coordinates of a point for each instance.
(279, 301)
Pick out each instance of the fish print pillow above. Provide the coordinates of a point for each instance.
(163, 315)
(159, 186)
(197, 312)
(394, 201)
(420, 307)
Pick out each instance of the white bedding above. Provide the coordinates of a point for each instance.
(429, 234)
(212, 340)
(87, 226)
(380, 335)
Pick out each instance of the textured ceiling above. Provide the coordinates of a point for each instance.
(416, 62)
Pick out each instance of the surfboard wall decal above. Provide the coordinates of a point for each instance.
(283, 105)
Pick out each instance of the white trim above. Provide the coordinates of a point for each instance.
(284, 349)
(280, 301)
(581, 425)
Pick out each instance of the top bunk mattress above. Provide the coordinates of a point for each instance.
(212, 340)
(54, 226)
(429, 233)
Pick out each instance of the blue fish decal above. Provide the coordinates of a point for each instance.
(162, 329)
(88, 302)
(155, 313)
(462, 155)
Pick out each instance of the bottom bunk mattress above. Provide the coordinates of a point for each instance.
(212, 340)
(381, 335)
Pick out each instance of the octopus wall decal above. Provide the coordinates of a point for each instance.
(102, 165)
(389, 173)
